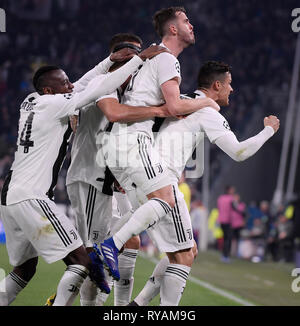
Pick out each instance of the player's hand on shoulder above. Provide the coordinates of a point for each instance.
(209, 102)
(272, 121)
(122, 55)
(152, 51)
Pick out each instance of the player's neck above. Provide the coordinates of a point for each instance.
(173, 45)
(209, 93)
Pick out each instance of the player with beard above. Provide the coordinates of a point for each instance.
(129, 152)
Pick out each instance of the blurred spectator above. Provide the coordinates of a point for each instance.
(199, 223)
(271, 242)
(253, 212)
(296, 230)
(237, 221)
(224, 204)
(215, 233)
(285, 239)
(186, 190)
(259, 231)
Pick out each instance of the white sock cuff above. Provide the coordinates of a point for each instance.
(178, 271)
(18, 280)
(79, 270)
(130, 253)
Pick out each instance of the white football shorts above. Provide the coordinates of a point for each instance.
(37, 227)
(174, 231)
(93, 212)
(134, 161)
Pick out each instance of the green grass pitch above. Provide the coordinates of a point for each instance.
(261, 284)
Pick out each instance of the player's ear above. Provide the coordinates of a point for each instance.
(173, 29)
(47, 90)
(216, 85)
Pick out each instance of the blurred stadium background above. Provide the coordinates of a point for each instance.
(257, 40)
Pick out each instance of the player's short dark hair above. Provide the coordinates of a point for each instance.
(123, 38)
(211, 71)
(163, 16)
(39, 81)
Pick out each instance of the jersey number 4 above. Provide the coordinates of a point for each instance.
(26, 134)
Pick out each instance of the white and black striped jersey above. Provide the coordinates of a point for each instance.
(144, 89)
(44, 132)
(41, 146)
(84, 165)
(177, 139)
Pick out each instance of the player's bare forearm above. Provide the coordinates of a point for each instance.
(138, 113)
(116, 112)
(177, 106)
(187, 106)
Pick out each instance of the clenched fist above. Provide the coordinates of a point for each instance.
(272, 121)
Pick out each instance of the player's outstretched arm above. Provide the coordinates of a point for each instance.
(111, 82)
(101, 86)
(100, 68)
(103, 68)
(240, 151)
(116, 112)
(177, 106)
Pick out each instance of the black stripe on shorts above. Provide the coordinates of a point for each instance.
(177, 220)
(89, 208)
(62, 233)
(145, 157)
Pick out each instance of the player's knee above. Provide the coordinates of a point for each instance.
(166, 194)
(133, 243)
(189, 258)
(171, 202)
(78, 256)
(169, 199)
(27, 269)
(182, 257)
(195, 250)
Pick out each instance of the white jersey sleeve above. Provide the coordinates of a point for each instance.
(212, 123)
(240, 151)
(168, 67)
(63, 105)
(99, 69)
(218, 131)
(113, 95)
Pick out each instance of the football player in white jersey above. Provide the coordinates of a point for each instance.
(89, 185)
(183, 136)
(131, 157)
(33, 224)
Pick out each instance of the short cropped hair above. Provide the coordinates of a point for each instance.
(123, 37)
(39, 80)
(210, 72)
(163, 16)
